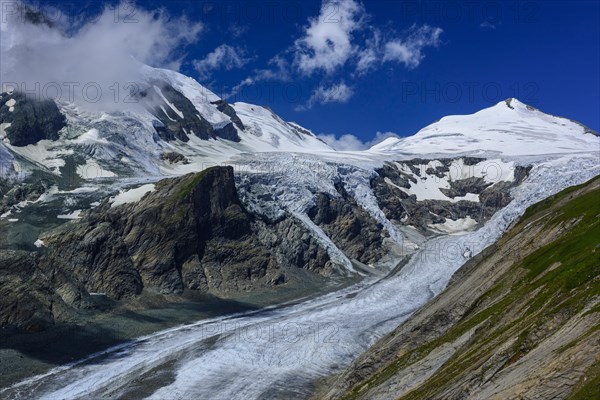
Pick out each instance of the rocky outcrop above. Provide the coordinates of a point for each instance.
(26, 295)
(30, 119)
(518, 320)
(392, 183)
(390, 197)
(174, 157)
(13, 191)
(196, 221)
(226, 109)
(293, 245)
(188, 233)
(184, 120)
(460, 188)
(31, 298)
(349, 226)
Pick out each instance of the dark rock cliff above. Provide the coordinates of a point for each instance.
(187, 121)
(350, 227)
(30, 120)
(189, 233)
(403, 208)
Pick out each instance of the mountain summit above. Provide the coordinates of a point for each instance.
(169, 124)
(510, 127)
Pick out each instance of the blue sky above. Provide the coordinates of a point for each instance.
(349, 67)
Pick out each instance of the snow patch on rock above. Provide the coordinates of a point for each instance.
(92, 170)
(11, 105)
(73, 215)
(132, 195)
(450, 226)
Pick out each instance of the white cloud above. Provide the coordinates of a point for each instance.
(409, 50)
(105, 51)
(369, 56)
(367, 60)
(327, 41)
(338, 93)
(343, 143)
(280, 72)
(350, 142)
(341, 40)
(487, 25)
(237, 30)
(223, 57)
(341, 35)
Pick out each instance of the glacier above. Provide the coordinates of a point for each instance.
(280, 351)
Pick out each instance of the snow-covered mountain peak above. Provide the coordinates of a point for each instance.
(169, 124)
(510, 127)
(510, 108)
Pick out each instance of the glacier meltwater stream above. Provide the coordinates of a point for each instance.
(279, 352)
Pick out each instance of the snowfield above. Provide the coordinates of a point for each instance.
(131, 196)
(510, 128)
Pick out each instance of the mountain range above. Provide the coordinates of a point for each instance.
(181, 194)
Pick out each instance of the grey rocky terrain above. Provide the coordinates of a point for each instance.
(30, 119)
(400, 206)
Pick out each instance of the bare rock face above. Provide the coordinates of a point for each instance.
(191, 232)
(174, 157)
(30, 120)
(196, 221)
(30, 298)
(12, 192)
(226, 109)
(293, 245)
(186, 121)
(96, 255)
(350, 227)
(25, 294)
(404, 208)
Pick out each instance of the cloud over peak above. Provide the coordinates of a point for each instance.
(224, 57)
(105, 51)
(336, 93)
(350, 142)
(327, 41)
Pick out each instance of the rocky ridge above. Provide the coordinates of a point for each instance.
(187, 233)
(465, 190)
(26, 120)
